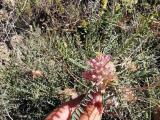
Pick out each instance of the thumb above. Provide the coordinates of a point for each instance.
(94, 110)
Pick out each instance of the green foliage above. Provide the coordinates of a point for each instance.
(80, 108)
(60, 53)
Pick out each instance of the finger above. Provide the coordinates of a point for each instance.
(65, 110)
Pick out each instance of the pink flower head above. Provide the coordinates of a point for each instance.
(100, 69)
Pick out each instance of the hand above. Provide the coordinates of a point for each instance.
(93, 111)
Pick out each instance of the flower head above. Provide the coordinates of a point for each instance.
(101, 69)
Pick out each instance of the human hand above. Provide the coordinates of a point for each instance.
(93, 111)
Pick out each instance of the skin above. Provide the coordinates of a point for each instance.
(93, 110)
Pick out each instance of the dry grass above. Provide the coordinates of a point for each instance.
(59, 52)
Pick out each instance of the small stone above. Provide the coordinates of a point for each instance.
(4, 54)
(3, 50)
(17, 40)
(3, 15)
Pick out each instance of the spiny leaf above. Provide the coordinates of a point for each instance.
(77, 63)
(84, 102)
(90, 96)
